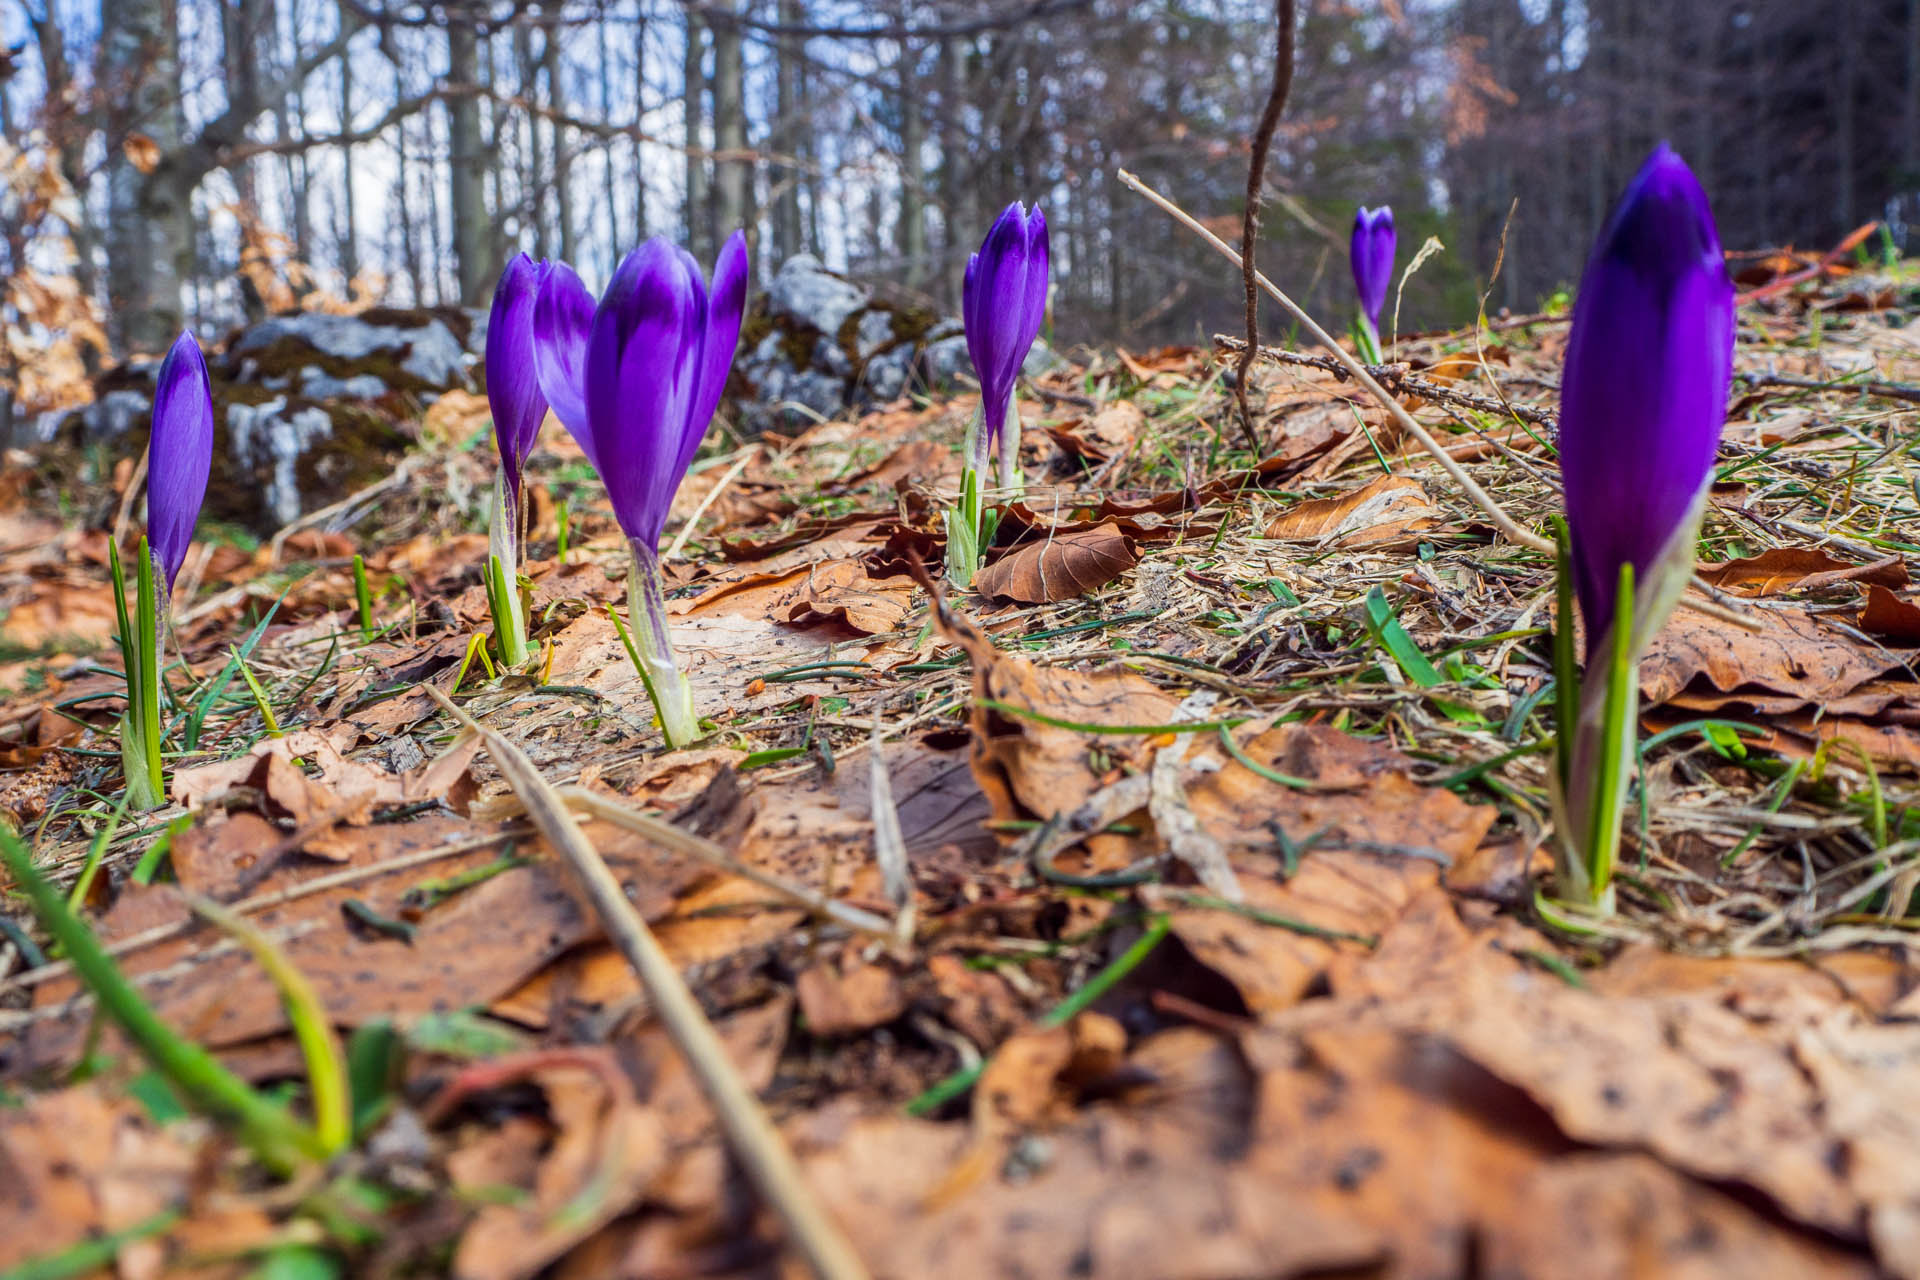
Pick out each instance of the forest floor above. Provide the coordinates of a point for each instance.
(1266, 995)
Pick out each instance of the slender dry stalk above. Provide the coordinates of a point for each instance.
(749, 1131)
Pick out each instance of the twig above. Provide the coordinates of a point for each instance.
(686, 530)
(1250, 221)
(665, 833)
(749, 1131)
(1397, 377)
(889, 845)
(402, 474)
(1888, 390)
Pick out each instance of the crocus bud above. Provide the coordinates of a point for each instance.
(513, 388)
(1003, 302)
(636, 379)
(179, 454)
(1643, 396)
(1371, 252)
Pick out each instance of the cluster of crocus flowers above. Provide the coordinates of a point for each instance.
(1643, 397)
(1003, 302)
(179, 457)
(635, 379)
(519, 407)
(1371, 253)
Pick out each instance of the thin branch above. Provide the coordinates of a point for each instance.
(1250, 220)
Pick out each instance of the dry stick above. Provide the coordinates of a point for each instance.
(1250, 222)
(686, 530)
(1404, 420)
(665, 833)
(749, 1132)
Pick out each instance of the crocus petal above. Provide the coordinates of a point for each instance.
(1644, 393)
(179, 454)
(562, 317)
(513, 383)
(1003, 304)
(1371, 254)
(641, 355)
(726, 305)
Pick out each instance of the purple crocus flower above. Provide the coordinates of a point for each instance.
(1371, 252)
(1644, 393)
(179, 454)
(1003, 301)
(513, 388)
(636, 379)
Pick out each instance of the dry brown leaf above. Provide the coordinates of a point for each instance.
(142, 152)
(604, 1152)
(1888, 615)
(1782, 569)
(1794, 655)
(839, 1003)
(1385, 513)
(1109, 432)
(74, 1165)
(1060, 567)
(470, 948)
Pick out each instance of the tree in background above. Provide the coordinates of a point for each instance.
(206, 140)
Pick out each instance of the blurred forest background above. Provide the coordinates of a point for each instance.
(206, 162)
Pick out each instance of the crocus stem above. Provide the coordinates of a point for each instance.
(1600, 763)
(503, 576)
(1366, 340)
(964, 517)
(1012, 481)
(647, 608)
(140, 656)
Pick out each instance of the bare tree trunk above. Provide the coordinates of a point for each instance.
(403, 214)
(533, 175)
(605, 51)
(913, 147)
(467, 163)
(1910, 115)
(789, 131)
(555, 74)
(732, 171)
(698, 213)
(150, 233)
(1845, 130)
(349, 236)
(956, 184)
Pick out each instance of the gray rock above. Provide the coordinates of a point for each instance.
(318, 384)
(946, 360)
(874, 333)
(265, 434)
(808, 294)
(108, 418)
(886, 375)
(432, 353)
(830, 357)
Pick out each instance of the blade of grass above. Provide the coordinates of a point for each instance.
(275, 1136)
(312, 1031)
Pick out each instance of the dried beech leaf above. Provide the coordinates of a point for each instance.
(1782, 569)
(1060, 568)
(1888, 615)
(1382, 514)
